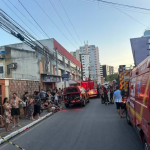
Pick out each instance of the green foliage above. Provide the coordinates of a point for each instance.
(111, 77)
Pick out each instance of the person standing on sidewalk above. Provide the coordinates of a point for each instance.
(37, 105)
(25, 99)
(119, 103)
(15, 111)
(7, 113)
(59, 95)
(30, 108)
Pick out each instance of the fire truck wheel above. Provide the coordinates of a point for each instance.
(67, 105)
(145, 144)
(128, 118)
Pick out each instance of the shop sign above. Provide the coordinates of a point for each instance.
(51, 79)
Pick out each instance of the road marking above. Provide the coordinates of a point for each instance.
(12, 143)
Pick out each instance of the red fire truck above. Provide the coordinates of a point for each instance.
(91, 87)
(138, 102)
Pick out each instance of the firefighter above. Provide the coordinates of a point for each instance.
(111, 95)
(106, 101)
(101, 95)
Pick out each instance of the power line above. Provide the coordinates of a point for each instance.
(119, 4)
(70, 21)
(53, 23)
(19, 18)
(62, 21)
(130, 16)
(33, 18)
(23, 15)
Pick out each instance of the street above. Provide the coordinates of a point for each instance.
(93, 127)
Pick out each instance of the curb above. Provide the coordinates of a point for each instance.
(24, 128)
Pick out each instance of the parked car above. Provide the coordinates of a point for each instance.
(75, 95)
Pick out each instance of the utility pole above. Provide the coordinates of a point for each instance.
(81, 67)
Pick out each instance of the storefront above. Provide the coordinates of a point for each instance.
(49, 81)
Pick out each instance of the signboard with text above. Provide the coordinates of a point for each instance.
(51, 79)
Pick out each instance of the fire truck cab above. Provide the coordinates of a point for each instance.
(138, 102)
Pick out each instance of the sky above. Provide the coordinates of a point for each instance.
(109, 28)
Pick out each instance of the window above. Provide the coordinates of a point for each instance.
(1, 69)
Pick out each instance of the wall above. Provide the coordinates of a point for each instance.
(64, 52)
(22, 86)
(139, 49)
(28, 66)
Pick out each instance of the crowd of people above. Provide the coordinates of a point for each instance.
(115, 96)
(104, 94)
(33, 106)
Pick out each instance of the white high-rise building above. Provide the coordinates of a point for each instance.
(85, 60)
(93, 52)
(101, 70)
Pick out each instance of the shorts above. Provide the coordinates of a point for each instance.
(120, 105)
(15, 111)
(59, 97)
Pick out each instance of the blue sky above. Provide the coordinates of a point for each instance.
(99, 24)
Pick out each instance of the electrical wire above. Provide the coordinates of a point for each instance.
(20, 19)
(119, 4)
(24, 16)
(54, 23)
(62, 21)
(70, 21)
(130, 16)
(33, 19)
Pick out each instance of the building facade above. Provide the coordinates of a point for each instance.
(46, 69)
(111, 70)
(85, 60)
(105, 70)
(76, 55)
(101, 70)
(140, 47)
(93, 52)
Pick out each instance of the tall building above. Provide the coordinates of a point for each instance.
(105, 70)
(101, 70)
(93, 52)
(85, 60)
(111, 70)
(140, 47)
(76, 54)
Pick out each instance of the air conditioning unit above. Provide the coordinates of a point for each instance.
(13, 66)
(2, 56)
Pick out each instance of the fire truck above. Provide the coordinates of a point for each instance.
(124, 77)
(138, 102)
(91, 87)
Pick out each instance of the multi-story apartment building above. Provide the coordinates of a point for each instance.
(93, 52)
(76, 54)
(85, 60)
(105, 70)
(140, 47)
(111, 70)
(59, 62)
(101, 70)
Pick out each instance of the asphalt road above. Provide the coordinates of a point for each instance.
(93, 127)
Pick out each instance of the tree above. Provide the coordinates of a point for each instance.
(111, 77)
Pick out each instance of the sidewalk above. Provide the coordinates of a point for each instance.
(24, 123)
